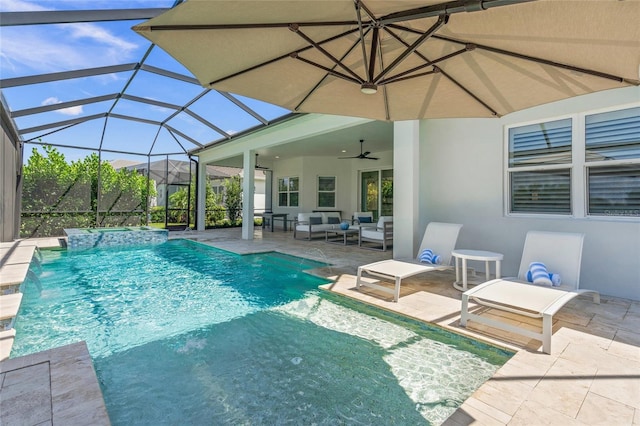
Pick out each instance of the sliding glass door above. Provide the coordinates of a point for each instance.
(376, 192)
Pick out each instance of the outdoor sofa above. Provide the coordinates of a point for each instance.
(309, 224)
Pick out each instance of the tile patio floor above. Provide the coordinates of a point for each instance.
(592, 376)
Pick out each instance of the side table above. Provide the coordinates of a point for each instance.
(480, 255)
(271, 217)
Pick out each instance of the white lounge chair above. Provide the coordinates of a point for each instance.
(562, 254)
(440, 237)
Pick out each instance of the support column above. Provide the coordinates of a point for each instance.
(406, 183)
(202, 196)
(248, 190)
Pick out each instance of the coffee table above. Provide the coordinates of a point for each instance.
(334, 233)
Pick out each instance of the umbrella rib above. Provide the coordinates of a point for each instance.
(385, 96)
(542, 61)
(467, 91)
(372, 58)
(335, 60)
(397, 79)
(456, 6)
(468, 47)
(328, 70)
(405, 75)
(442, 20)
(323, 78)
(366, 9)
(358, 4)
(279, 58)
(197, 27)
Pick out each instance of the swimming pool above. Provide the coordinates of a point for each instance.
(181, 333)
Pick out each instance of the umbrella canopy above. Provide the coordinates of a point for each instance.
(404, 59)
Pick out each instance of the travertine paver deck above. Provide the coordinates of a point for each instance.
(591, 377)
(54, 387)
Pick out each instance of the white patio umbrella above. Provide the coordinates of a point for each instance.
(404, 59)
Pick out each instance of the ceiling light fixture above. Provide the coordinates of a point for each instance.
(369, 88)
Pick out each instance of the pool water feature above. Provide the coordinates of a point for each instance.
(84, 238)
(181, 333)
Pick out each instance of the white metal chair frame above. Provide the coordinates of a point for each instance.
(561, 253)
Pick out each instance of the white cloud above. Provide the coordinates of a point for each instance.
(73, 111)
(20, 6)
(100, 35)
(60, 47)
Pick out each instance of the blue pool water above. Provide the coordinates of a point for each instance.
(181, 333)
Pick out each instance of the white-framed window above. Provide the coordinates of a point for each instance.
(585, 165)
(288, 191)
(326, 191)
(612, 156)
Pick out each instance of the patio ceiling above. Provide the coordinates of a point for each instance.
(377, 136)
(83, 79)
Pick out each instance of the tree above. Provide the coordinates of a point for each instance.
(233, 197)
(57, 194)
(213, 202)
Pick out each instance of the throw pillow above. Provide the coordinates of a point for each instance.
(333, 220)
(365, 219)
(315, 220)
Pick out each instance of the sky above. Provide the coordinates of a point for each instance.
(41, 49)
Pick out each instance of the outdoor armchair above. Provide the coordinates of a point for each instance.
(381, 235)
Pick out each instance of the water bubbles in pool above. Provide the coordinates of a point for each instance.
(191, 345)
(296, 360)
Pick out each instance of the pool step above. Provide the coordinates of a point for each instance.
(9, 306)
(15, 258)
(6, 342)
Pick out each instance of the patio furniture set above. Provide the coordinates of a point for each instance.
(373, 235)
(533, 293)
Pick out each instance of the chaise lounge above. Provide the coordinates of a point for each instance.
(561, 253)
(439, 237)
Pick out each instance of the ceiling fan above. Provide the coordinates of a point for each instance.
(363, 155)
(258, 167)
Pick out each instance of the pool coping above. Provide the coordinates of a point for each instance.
(56, 386)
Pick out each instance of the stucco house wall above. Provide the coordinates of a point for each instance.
(462, 173)
(308, 169)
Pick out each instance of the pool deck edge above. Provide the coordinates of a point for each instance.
(15, 259)
(64, 376)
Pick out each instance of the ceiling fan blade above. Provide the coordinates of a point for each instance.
(362, 156)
